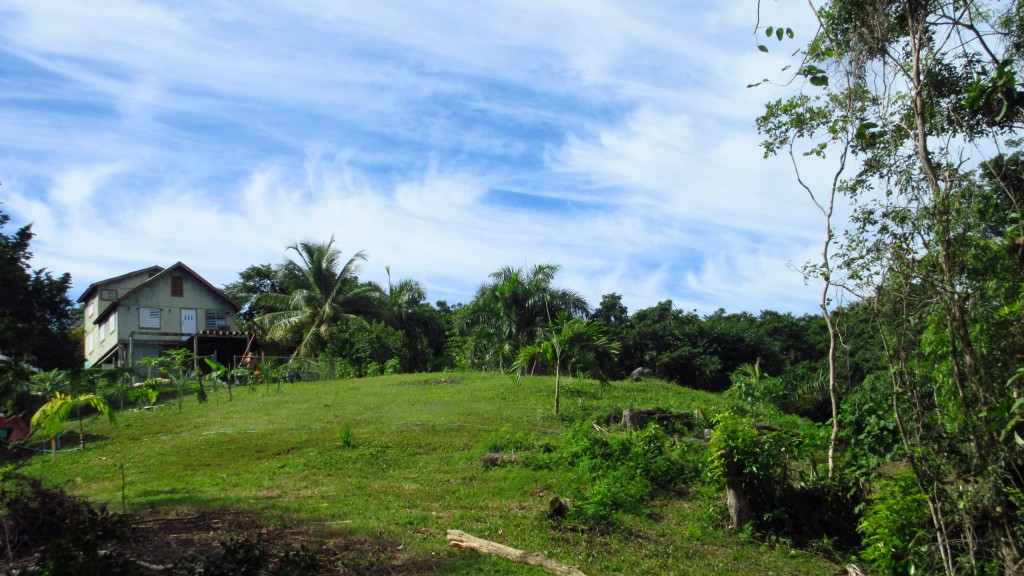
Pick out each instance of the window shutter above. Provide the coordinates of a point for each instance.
(177, 286)
(149, 318)
(216, 320)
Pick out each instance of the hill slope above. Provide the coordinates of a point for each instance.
(396, 460)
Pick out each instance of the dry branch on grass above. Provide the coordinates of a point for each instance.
(459, 539)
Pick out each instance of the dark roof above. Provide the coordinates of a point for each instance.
(157, 277)
(96, 285)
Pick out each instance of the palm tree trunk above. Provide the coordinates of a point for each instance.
(557, 375)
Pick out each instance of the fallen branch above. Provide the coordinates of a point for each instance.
(167, 519)
(459, 539)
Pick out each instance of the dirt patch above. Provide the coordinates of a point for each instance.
(49, 531)
(195, 539)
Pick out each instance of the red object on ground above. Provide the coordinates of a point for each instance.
(13, 428)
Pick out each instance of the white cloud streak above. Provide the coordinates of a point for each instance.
(447, 140)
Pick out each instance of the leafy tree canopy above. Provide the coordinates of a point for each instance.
(36, 314)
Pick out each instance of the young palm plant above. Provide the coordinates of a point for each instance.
(50, 418)
(570, 343)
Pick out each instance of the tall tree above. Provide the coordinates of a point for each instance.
(512, 309)
(252, 282)
(927, 90)
(327, 293)
(36, 314)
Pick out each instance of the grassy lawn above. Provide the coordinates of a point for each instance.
(396, 459)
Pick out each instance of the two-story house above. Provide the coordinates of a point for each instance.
(144, 313)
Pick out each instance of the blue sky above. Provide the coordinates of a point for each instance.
(446, 139)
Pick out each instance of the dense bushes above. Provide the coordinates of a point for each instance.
(620, 472)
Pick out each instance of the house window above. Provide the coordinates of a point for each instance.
(103, 332)
(90, 343)
(177, 286)
(149, 318)
(108, 294)
(112, 324)
(216, 320)
(91, 309)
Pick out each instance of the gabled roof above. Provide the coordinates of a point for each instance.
(152, 270)
(160, 275)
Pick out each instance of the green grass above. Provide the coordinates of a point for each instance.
(397, 459)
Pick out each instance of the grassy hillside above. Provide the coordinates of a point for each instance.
(397, 460)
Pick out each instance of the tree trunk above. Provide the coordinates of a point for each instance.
(739, 506)
(557, 376)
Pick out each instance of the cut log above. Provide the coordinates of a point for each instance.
(460, 539)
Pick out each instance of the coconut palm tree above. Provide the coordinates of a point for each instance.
(402, 300)
(513, 309)
(328, 293)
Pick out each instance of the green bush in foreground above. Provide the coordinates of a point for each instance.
(896, 540)
(619, 472)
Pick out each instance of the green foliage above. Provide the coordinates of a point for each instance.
(573, 345)
(896, 539)
(752, 458)
(702, 352)
(756, 389)
(372, 347)
(253, 282)
(145, 394)
(176, 365)
(870, 431)
(326, 293)
(200, 391)
(345, 435)
(420, 439)
(14, 387)
(36, 315)
(741, 451)
(619, 472)
(48, 382)
(933, 249)
(511, 311)
(50, 418)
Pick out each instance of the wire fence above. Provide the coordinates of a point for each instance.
(289, 369)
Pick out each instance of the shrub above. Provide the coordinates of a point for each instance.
(894, 528)
(618, 472)
(57, 533)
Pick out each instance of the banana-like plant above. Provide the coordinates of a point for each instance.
(50, 418)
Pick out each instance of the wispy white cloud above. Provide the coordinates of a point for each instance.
(446, 140)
